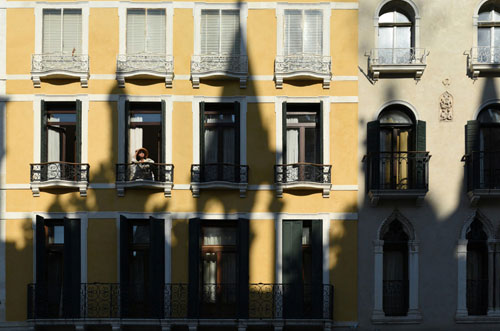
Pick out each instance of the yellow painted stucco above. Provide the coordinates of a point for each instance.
(102, 251)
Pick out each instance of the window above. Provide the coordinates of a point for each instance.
(477, 269)
(146, 31)
(57, 291)
(142, 271)
(303, 32)
(488, 33)
(220, 32)
(62, 31)
(395, 37)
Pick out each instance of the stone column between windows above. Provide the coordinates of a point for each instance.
(491, 275)
(462, 278)
(496, 292)
(413, 278)
(378, 286)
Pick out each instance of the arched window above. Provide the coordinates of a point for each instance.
(477, 269)
(396, 33)
(395, 275)
(488, 33)
(482, 148)
(397, 159)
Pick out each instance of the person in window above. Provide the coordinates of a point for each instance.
(141, 170)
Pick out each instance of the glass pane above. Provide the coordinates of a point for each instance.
(386, 18)
(311, 146)
(403, 37)
(401, 18)
(228, 268)
(484, 37)
(211, 146)
(209, 277)
(56, 234)
(292, 146)
(302, 118)
(496, 16)
(489, 115)
(68, 118)
(145, 118)
(219, 236)
(394, 117)
(485, 16)
(306, 234)
(228, 143)
(140, 234)
(220, 118)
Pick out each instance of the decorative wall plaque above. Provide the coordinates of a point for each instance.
(446, 107)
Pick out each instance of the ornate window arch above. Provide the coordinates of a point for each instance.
(396, 243)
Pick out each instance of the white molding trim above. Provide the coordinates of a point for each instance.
(3, 53)
(3, 264)
(397, 102)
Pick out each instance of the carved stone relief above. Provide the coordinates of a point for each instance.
(446, 107)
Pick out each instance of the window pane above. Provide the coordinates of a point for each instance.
(56, 234)
(485, 16)
(386, 18)
(403, 37)
(306, 234)
(311, 146)
(293, 32)
(484, 37)
(394, 116)
(489, 115)
(156, 34)
(230, 32)
(313, 32)
(229, 149)
(140, 234)
(136, 31)
(292, 146)
(72, 31)
(219, 236)
(54, 118)
(210, 22)
(302, 118)
(401, 18)
(211, 146)
(51, 31)
(138, 118)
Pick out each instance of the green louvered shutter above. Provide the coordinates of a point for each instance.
(78, 146)
(72, 268)
(237, 136)
(283, 133)
(320, 157)
(163, 131)
(243, 261)
(317, 268)
(127, 132)
(43, 132)
(194, 268)
(41, 290)
(293, 291)
(124, 266)
(157, 265)
(373, 152)
(420, 164)
(202, 134)
(472, 150)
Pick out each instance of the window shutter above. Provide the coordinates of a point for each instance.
(127, 132)
(320, 143)
(41, 269)
(230, 32)
(72, 269)
(373, 151)
(243, 261)
(51, 31)
(292, 269)
(237, 133)
(293, 32)
(317, 268)
(43, 131)
(163, 131)
(210, 33)
(283, 133)
(420, 164)
(472, 133)
(313, 32)
(136, 31)
(124, 266)
(420, 137)
(202, 133)
(72, 31)
(157, 265)
(78, 145)
(156, 34)
(194, 268)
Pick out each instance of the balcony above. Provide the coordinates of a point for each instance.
(399, 62)
(219, 176)
(219, 67)
(59, 175)
(59, 66)
(266, 304)
(484, 60)
(143, 66)
(302, 67)
(144, 175)
(303, 176)
(397, 175)
(482, 171)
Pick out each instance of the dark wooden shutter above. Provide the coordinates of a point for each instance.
(243, 261)
(72, 269)
(194, 267)
(373, 152)
(127, 132)
(293, 291)
(202, 134)
(78, 144)
(163, 131)
(472, 132)
(157, 265)
(124, 265)
(43, 131)
(320, 158)
(283, 132)
(41, 269)
(237, 131)
(419, 162)
(317, 268)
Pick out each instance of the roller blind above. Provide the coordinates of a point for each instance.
(220, 31)
(72, 31)
(155, 31)
(146, 31)
(303, 32)
(62, 31)
(136, 31)
(51, 31)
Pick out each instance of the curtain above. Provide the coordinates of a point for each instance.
(209, 277)
(402, 170)
(211, 146)
(292, 146)
(53, 145)
(135, 141)
(229, 148)
(72, 31)
(156, 34)
(51, 31)
(136, 31)
(219, 236)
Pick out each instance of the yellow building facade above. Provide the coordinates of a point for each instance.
(243, 212)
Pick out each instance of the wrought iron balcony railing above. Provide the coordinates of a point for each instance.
(482, 170)
(212, 65)
(138, 172)
(396, 296)
(59, 171)
(398, 56)
(60, 64)
(160, 65)
(215, 301)
(402, 171)
(302, 172)
(485, 55)
(219, 172)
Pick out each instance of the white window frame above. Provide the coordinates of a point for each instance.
(414, 315)
(37, 135)
(195, 187)
(415, 26)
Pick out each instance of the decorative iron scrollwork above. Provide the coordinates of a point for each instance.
(42, 172)
(302, 172)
